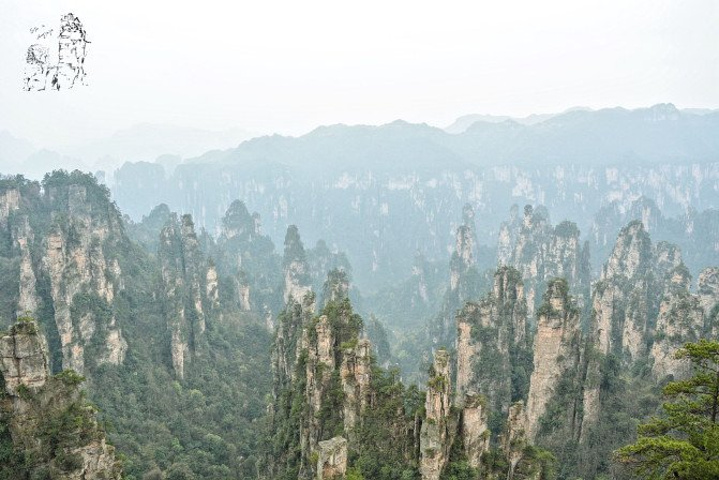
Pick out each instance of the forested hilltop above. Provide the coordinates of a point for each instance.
(214, 355)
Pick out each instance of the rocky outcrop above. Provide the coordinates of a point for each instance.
(296, 271)
(541, 252)
(336, 287)
(514, 439)
(434, 436)
(23, 358)
(355, 374)
(491, 338)
(212, 292)
(556, 351)
(332, 459)
(625, 301)
(9, 202)
(184, 280)
(23, 237)
(462, 282)
(708, 291)
(474, 428)
(246, 258)
(83, 278)
(48, 419)
(320, 367)
(291, 338)
(682, 318)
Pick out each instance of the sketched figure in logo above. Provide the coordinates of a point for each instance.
(72, 44)
(63, 71)
(38, 67)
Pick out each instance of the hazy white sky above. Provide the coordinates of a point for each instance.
(288, 66)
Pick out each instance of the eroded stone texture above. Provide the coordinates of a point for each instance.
(434, 436)
(35, 400)
(355, 374)
(332, 459)
(23, 358)
(556, 351)
(475, 431)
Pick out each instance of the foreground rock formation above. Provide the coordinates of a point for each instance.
(48, 419)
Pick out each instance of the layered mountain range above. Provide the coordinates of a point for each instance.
(457, 320)
(364, 188)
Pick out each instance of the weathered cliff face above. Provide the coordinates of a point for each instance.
(291, 337)
(184, 279)
(683, 317)
(463, 281)
(491, 340)
(681, 320)
(320, 367)
(514, 439)
(625, 301)
(246, 258)
(23, 237)
(708, 291)
(541, 252)
(76, 263)
(332, 459)
(47, 417)
(556, 351)
(336, 287)
(67, 238)
(474, 428)
(24, 358)
(434, 436)
(9, 202)
(296, 271)
(355, 374)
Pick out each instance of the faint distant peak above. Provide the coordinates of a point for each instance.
(464, 122)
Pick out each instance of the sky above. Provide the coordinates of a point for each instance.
(288, 66)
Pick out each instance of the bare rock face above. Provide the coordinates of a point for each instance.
(625, 301)
(434, 436)
(9, 202)
(541, 252)
(336, 287)
(297, 278)
(28, 300)
(514, 439)
(556, 351)
(185, 276)
(244, 256)
(708, 291)
(489, 334)
(332, 459)
(682, 318)
(475, 430)
(631, 253)
(76, 263)
(212, 291)
(462, 286)
(36, 402)
(291, 337)
(23, 358)
(355, 374)
(463, 257)
(320, 365)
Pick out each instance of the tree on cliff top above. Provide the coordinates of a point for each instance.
(684, 442)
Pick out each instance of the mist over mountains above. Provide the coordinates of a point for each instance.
(437, 293)
(378, 192)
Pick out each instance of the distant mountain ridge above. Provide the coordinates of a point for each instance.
(661, 133)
